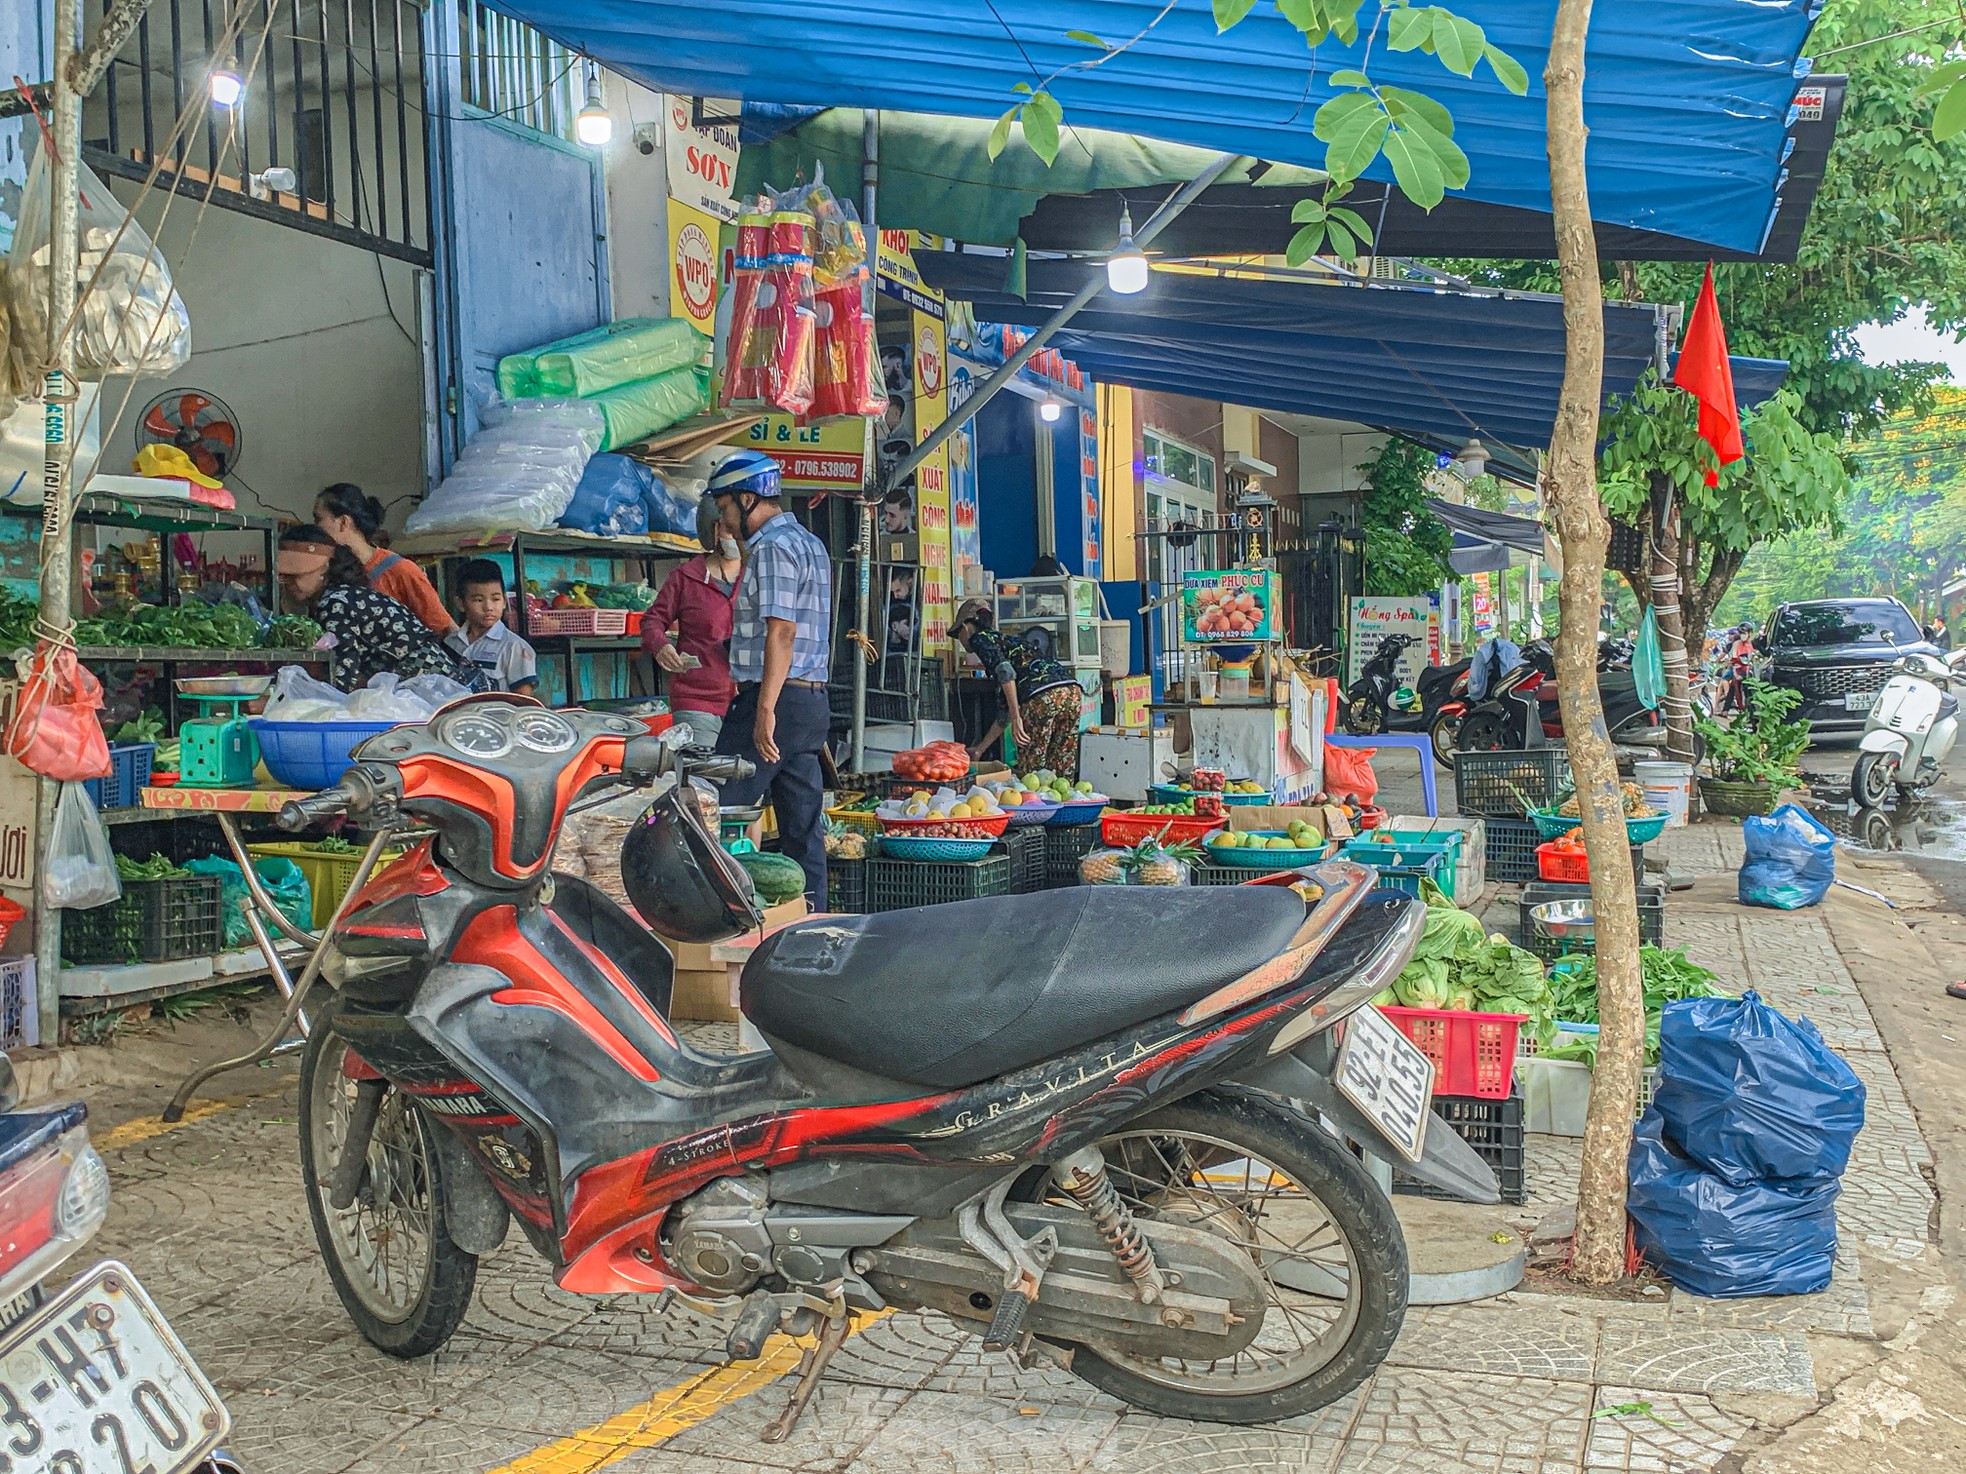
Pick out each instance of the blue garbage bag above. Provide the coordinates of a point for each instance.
(669, 509)
(285, 882)
(1713, 1237)
(1791, 860)
(609, 499)
(1753, 1095)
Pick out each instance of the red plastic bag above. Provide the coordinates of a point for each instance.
(55, 731)
(1348, 772)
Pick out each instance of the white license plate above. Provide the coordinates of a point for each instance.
(1382, 1073)
(1859, 700)
(96, 1383)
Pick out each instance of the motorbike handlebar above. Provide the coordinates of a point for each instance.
(329, 803)
(714, 765)
(651, 757)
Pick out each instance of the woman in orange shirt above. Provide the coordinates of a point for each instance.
(353, 519)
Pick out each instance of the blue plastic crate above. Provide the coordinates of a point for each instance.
(1405, 877)
(129, 774)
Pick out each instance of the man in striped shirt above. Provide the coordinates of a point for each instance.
(780, 652)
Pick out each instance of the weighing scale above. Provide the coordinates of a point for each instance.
(217, 749)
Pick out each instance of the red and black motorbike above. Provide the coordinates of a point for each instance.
(1053, 1117)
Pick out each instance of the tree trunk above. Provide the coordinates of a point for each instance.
(1704, 591)
(1570, 490)
(1664, 547)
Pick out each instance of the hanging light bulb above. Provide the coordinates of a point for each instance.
(1126, 268)
(1049, 409)
(593, 126)
(226, 84)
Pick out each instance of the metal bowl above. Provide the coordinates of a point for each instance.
(244, 687)
(1565, 920)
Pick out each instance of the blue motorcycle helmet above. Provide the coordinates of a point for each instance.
(747, 473)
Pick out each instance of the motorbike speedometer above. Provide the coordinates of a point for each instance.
(476, 735)
(544, 732)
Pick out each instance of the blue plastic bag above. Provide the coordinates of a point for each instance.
(1714, 1238)
(1791, 860)
(1752, 1095)
(669, 509)
(609, 499)
(285, 882)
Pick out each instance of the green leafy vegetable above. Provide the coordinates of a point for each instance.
(1666, 975)
(146, 728)
(157, 867)
(1458, 965)
(293, 632)
(197, 624)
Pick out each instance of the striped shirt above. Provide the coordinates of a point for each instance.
(786, 576)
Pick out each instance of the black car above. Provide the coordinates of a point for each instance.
(1838, 653)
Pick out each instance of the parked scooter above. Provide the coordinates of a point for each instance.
(1522, 709)
(1099, 1149)
(92, 1378)
(1369, 708)
(1910, 730)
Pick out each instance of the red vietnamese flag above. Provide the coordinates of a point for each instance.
(1704, 372)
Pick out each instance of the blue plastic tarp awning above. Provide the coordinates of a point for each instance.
(1688, 101)
(1444, 365)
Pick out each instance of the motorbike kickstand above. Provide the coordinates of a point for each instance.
(812, 1366)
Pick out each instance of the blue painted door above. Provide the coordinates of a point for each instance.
(521, 259)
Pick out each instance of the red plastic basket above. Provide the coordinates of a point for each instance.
(10, 913)
(578, 622)
(1119, 828)
(1567, 865)
(1473, 1053)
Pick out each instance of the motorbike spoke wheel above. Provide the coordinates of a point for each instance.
(1362, 717)
(1445, 735)
(1872, 781)
(1323, 1239)
(401, 1279)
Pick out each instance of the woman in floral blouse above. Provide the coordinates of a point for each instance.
(1042, 698)
(372, 632)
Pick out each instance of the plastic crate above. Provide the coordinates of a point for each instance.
(1566, 864)
(894, 885)
(846, 886)
(329, 872)
(1064, 848)
(129, 773)
(1494, 1128)
(577, 622)
(1651, 917)
(1557, 1094)
(1511, 851)
(1029, 867)
(155, 921)
(20, 1007)
(1404, 877)
(1119, 828)
(860, 819)
(1473, 1053)
(1413, 852)
(1509, 783)
(1470, 867)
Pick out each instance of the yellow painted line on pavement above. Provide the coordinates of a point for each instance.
(674, 1410)
(143, 1128)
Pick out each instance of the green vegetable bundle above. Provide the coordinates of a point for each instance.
(1459, 966)
(1667, 977)
(293, 632)
(157, 867)
(197, 624)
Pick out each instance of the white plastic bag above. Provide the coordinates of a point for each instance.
(519, 472)
(131, 319)
(298, 697)
(81, 868)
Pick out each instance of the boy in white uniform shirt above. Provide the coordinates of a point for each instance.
(484, 640)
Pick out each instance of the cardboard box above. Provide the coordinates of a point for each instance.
(702, 994)
(695, 956)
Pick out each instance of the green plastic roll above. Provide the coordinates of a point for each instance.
(635, 411)
(592, 363)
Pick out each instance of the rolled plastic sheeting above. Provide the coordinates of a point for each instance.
(637, 410)
(588, 364)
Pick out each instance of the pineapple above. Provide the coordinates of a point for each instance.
(1152, 863)
(1103, 867)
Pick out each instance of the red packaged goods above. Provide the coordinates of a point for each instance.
(772, 319)
(741, 373)
(55, 731)
(846, 368)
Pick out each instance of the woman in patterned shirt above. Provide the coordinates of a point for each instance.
(1042, 698)
(372, 632)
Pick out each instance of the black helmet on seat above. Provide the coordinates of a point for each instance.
(681, 881)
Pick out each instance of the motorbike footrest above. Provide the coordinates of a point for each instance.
(1007, 1325)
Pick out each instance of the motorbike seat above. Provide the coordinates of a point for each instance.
(964, 992)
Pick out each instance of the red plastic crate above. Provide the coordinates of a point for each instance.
(578, 622)
(1473, 1053)
(1567, 865)
(1119, 828)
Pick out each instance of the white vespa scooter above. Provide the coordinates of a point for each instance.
(1910, 731)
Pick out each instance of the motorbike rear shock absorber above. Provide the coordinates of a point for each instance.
(1082, 1177)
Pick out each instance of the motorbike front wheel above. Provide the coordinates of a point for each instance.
(1324, 1240)
(389, 1255)
(1872, 781)
(1361, 714)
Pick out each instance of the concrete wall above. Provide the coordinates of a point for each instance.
(294, 333)
(638, 201)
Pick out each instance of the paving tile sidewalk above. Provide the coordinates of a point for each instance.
(212, 1218)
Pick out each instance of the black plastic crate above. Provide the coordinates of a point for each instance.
(1509, 783)
(894, 885)
(846, 886)
(1064, 847)
(1511, 850)
(1494, 1129)
(1029, 867)
(1651, 916)
(156, 921)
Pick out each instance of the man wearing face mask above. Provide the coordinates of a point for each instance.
(780, 652)
(687, 628)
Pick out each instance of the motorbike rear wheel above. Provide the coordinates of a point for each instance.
(1482, 731)
(1872, 780)
(1445, 736)
(1361, 714)
(389, 1255)
(1324, 1239)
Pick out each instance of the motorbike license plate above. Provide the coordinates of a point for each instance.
(1382, 1073)
(95, 1382)
(1859, 700)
